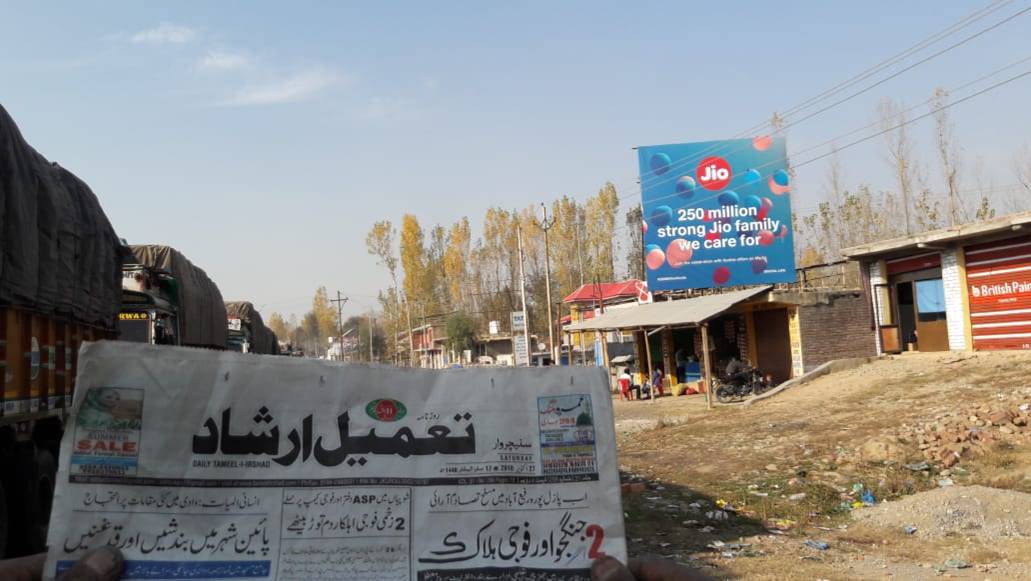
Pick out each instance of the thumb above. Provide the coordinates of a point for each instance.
(100, 564)
(609, 569)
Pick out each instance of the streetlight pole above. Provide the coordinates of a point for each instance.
(546, 225)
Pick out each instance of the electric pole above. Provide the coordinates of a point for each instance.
(644, 270)
(546, 225)
(522, 293)
(411, 340)
(371, 355)
(579, 254)
(340, 300)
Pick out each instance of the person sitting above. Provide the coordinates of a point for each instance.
(737, 371)
(625, 381)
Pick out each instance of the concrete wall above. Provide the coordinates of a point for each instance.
(952, 276)
(836, 327)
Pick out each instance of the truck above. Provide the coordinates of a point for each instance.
(167, 300)
(246, 330)
(60, 264)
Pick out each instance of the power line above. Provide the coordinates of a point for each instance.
(918, 118)
(852, 132)
(965, 40)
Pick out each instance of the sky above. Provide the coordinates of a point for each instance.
(264, 139)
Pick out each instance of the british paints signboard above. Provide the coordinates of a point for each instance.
(717, 213)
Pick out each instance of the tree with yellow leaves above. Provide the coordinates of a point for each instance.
(325, 315)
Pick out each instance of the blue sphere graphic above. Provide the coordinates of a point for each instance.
(729, 198)
(780, 177)
(661, 216)
(751, 177)
(659, 163)
(686, 186)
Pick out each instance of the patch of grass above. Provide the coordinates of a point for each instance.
(983, 555)
(999, 457)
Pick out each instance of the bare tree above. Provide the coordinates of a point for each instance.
(948, 154)
(900, 155)
(1022, 167)
(835, 178)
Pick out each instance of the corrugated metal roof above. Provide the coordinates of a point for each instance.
(683, 312)
(606, 290)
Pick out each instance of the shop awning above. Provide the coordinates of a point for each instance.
(685, 312)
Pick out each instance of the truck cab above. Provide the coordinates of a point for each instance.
(150, 306)
(239, 335)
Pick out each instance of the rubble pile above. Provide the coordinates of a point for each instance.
(953, 436)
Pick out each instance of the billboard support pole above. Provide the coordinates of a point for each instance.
(648, 354)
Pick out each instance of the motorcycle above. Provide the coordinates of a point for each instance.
(728, 391)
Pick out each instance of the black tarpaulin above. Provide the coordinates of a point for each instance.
(202, 314)
(59, 254)
(263, 340)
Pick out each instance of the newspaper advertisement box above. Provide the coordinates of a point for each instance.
(211, 465)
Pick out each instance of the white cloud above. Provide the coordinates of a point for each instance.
(165, 33)
(223, 61)
(298, 87)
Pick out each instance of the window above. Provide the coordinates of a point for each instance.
(930, 299)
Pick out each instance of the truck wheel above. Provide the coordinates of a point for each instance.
(46, 476)
(3, 522)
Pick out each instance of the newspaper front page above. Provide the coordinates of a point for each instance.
(210, 465)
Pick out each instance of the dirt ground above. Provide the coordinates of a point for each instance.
(738, 490)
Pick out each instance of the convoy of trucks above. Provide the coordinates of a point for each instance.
(65, 278)
(247, 331)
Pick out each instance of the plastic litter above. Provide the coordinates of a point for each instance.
(918, 466)
(798, 496)
(818, 545)
(909, 529)
(944, 482)
(867, 498)
(956, 564)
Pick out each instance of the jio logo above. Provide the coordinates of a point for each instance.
(713, 173)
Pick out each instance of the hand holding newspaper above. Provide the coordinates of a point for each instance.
(207, 465)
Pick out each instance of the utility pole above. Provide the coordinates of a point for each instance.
(579, 254)
(522, 293)
(644, 269)
(340, 300)
(371, 355)
(411, 340)
(546, 225)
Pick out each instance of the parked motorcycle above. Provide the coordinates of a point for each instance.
(730, 391)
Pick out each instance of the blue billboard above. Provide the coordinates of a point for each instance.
(716, 213)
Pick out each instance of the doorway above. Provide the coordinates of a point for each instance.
(907, 315)
(773, 343)
(920, 304)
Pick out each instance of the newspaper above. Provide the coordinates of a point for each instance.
(211, 465)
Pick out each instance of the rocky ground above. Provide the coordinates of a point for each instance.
(903, 468)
